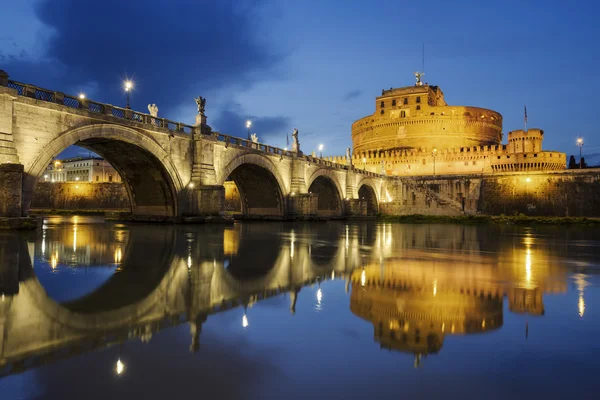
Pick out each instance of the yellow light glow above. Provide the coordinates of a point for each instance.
(528, 180)
(248, 124)
(128, 86)
(120, 367)
(293, 239)
(581, 305)
(528, 265)
(332, 275)
(191, 185)
(320, 147)
(189, 262)
(434, 288)
(118, 255)
(483, 324)
(81, 96)
(452, 328)
(443, 327)
(245, 321)
(54, 260)
(580, 141)
(363, 278)
(74, 239)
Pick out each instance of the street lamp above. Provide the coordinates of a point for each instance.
(433, 153)
(248, 125)
(128, 86)
(580, 144)
(321, 150)
(82, 96)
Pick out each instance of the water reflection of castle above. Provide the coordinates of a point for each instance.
(416, 299)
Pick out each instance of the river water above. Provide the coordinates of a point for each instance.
(295, 310)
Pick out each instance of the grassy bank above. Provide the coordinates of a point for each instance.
(487, 219)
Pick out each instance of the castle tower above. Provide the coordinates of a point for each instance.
(529, 141)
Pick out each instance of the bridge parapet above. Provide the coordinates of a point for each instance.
(77, 102)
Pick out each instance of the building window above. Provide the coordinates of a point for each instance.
(382, 104)
(110, 177)
(394, 102)
(403, 114)
(418, 108)
(97, 178)
(382, 111)
(418, 99)
(406, 100)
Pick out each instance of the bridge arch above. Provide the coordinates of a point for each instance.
(151, 178)
(324, 182)
(261, 186)
(367, 190)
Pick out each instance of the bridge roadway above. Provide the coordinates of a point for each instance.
(170, 169)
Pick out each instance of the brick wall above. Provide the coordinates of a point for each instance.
(81, 196)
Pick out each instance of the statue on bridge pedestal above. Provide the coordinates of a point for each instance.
(254, 138)
(348, 156)
(295, 142)
(201, 103)
(153, 110)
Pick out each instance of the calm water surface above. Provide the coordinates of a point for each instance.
(95, 310)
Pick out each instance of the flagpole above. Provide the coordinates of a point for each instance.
(525, 118)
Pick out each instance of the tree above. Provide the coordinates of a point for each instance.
(572, 163)
(583, 164)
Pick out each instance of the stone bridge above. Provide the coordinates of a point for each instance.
(191, 278)
(170, 169)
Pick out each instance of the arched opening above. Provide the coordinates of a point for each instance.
(366, 193)
(259, 191)
(329, 203)
(151, 181)
(78, 179)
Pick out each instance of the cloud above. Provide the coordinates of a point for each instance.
(172, 50)
(232, 121)
(352, 94)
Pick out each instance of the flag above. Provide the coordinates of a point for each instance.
(525, 115)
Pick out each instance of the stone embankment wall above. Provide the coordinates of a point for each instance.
(80, 196)
(566, 194)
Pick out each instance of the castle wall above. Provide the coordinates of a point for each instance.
(80, 196)
(562, 193)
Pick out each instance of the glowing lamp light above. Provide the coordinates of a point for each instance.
(319, 296)
(581, 305)
(191, 185)
(363, 278)
(245, 321)
(248, 124)
(120, 367)
(128, 85)
(81, 96)
(528, 180)
(320, 147)
(76, 178)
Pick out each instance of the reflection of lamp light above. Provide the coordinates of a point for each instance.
(581, 304)
(363, 278)
(434, 288)
(120, 367)
(245, 321)
(319, 296)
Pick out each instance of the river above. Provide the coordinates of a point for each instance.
(99, 310)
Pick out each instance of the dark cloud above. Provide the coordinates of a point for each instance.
(232, 121)
(352, 94)
(173, 50)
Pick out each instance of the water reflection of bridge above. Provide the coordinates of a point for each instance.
(415, 285)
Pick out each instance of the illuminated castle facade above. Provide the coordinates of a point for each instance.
(413, 131)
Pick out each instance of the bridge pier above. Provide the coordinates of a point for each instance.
(205, 200)
(302, 205)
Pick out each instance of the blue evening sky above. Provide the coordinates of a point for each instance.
(315, 65)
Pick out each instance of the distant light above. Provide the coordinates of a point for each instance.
(364, 160)
(81, 96)
(245, 321)
(285, 148)
(128, 86)
(579, 141)
(320, 147)
(319, 296)
(248, 124)
(293, 193)
(45, 176)
(191, 185)
(76, 178)
(528, 180)
(581, 305)
(363, 278)
(120, 367)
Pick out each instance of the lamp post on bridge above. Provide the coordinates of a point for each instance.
(580, 145)
(248, 125)
(321, 151)
(128, 87)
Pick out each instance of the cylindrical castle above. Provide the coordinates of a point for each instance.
(417, 117)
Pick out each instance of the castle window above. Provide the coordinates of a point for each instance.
(418, 108)
(498, 157)
(403, 114)
(467, 114)
(535, 155)
(382, 104)
(97, 178)
(382, 111)
(394, 102)
(424, 161)
(406, 100)
(418, 99)
(507, 156)
(524, 155)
